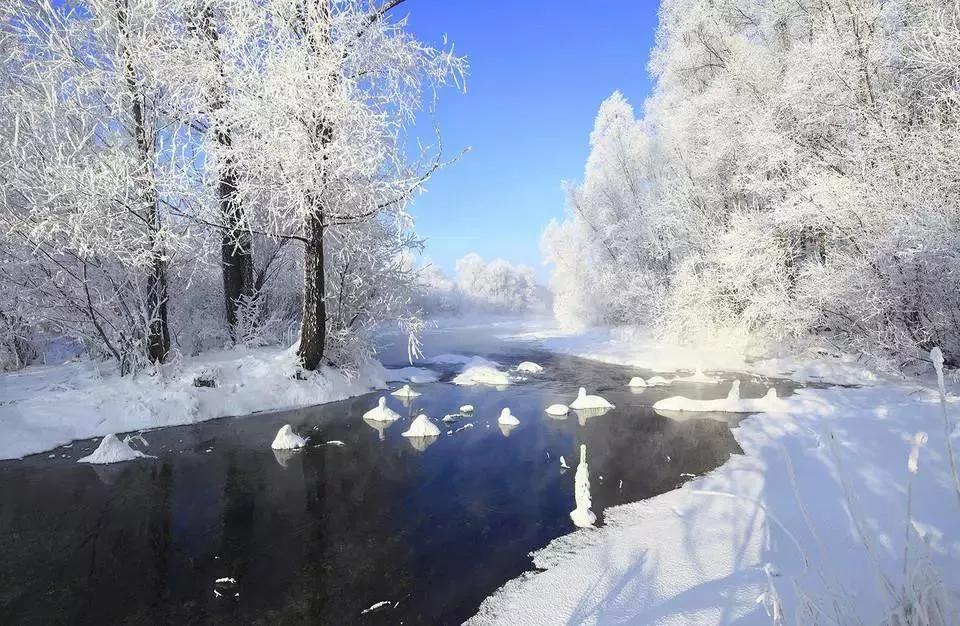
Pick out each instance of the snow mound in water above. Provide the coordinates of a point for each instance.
(405, 392)
(557, 409)
(381, 412)
(466, 408)
(453, 359)
(636, 381)
(422, 427)
(582, 516)
(733, 403)
(112, 450)
(411, 374)
(480, 371)
(585, 401)
(286, 439)
(698, 377)
(658, 381)
(529, 367)
(506, 419)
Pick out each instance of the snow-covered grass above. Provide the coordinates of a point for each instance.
(825, 518)
(43, 407)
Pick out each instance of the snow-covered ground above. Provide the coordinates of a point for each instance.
(640, 348)
(43, 407)
(809, 525)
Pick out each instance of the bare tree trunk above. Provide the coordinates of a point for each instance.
(313, 328)
(158, 337)
(236, 254)
(237, 244)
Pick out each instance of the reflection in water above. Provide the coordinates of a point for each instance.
(285, 455)
(585, 414)
(379, 426)
(506, 428)
(636, 390)
(421, 443)
(320, 534)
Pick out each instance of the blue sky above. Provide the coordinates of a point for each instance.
(538, 72)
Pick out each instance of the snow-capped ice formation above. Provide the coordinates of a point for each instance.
(480, 371)
(287, 439)
(405, 392)
(506, 419)
(381, 412)
(585, 401)
(422, 427)
(582, 516)
(112, 450)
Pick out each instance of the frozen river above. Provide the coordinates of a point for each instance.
(322, 534)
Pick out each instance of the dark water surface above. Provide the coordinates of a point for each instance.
(319, 535)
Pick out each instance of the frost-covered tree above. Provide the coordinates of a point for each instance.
(795, 176)
(324, 92)
(88, 159)
(496, 285)
(610, 247)
(149, 144)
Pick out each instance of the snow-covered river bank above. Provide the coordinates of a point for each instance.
(329, 531)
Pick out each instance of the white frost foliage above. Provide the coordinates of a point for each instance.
(112, 154)
(790, 175)
(496, 285)
(770, 599)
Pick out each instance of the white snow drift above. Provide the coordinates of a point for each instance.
(43, 407)
(733, 403)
